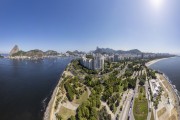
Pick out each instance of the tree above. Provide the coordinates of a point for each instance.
(141, 82)
(70, 91)
(103, 115)
(58, 117)
(72, 118)
(131, 83)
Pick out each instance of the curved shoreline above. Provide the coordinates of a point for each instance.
(48, 114)
(173, 87)
(154, 61)
(167, 78)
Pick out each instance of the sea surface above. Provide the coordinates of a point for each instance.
(27, 85)
(171, 68)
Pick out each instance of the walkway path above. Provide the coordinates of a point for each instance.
(108, 110)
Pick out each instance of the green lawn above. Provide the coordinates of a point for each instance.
(66, 113)
(82, 98)
(140, 109)
(121, 89)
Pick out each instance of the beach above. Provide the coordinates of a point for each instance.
(172, 92)
(154, 61)
(48, 115)
(50, 110)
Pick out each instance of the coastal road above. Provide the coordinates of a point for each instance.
(134, 96)
(122, 72)
(125, 112)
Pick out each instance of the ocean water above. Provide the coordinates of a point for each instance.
(171, 68)
(26, 86)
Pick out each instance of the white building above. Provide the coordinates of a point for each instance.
(87, 62)
(95, 63)
(99, 62)
(155, 87)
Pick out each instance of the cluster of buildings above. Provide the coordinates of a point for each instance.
(93, 62)
(119, 57)
(96, 61)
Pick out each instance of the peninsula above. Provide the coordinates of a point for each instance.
(95, 87)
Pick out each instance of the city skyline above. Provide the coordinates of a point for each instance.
(150, 26)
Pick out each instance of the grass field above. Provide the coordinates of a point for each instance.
(140, 108)
(82, 98)
(66, 113)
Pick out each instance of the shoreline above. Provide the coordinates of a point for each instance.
(154, 61)
(173, 87)
(49, 111)
(48, 114)
(166, 77)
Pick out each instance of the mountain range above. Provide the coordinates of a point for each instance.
(32, 53)
(111, 51)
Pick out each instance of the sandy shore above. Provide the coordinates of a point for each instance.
(154, 61)
(48, 115)
(170, 87)
(50, 108)
(173, 96)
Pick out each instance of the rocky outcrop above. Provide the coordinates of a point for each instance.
(14, 50)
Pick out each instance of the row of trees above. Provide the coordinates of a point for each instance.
(151, 74)
(103, 115)
(69, 91)
(114, 101)
(142, 79)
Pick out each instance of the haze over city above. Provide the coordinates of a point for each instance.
(150, 26)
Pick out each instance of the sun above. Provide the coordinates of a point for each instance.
(157, 3)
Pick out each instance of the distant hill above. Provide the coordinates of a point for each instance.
(19, 53)
(32, 53)
(51, 53)
(75, 52)
(111, 51)
(35, 53)
(1, 56)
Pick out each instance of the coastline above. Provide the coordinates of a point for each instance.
(48, 114)
(174, 91)
(154, 61)
(164, 75)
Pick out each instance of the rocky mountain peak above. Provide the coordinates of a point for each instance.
(14, 50)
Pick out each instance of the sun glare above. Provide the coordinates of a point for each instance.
(157, 3)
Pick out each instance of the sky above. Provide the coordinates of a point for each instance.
(61, 25)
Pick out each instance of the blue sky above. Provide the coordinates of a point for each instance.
(148, 25)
